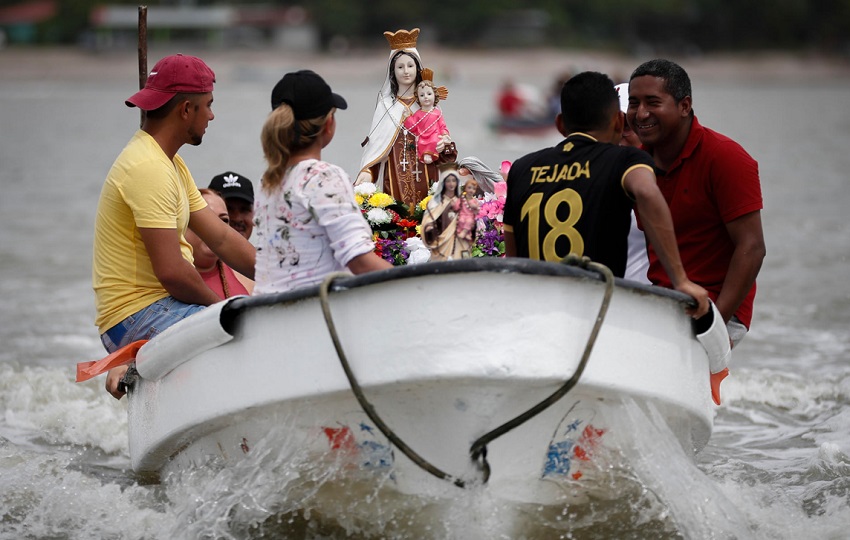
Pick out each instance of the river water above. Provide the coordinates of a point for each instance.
(777, 465)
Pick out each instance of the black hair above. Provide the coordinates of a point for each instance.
(178, 98)
(393, 81)
(587, 101)
(676, 80)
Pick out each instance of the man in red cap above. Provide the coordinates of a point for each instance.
(142, 271)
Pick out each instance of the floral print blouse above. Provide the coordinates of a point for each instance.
(308, 227)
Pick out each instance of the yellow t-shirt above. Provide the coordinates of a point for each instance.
(143, 189)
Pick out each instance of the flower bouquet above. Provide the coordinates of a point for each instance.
(490, 230)
(395, 232)
(382, 212)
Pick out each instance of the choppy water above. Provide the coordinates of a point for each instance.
(777, 465)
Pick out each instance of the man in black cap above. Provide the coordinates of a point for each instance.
(238, 193)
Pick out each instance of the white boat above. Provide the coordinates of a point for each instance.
(445, 353)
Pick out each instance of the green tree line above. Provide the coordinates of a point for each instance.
(627, 25)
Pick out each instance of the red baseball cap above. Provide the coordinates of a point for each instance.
(172, 75)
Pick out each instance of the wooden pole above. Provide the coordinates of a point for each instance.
(143, 53)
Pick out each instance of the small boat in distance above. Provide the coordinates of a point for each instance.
(523, 110)
(530, 127)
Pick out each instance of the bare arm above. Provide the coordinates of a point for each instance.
(747, 235)
(658, 226)
(510, 244)
(247, 283)
(176, 274)
(368, 262)
(229, 245)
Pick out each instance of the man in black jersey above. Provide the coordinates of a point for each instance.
(577, 196)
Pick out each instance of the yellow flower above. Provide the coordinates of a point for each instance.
(423, 204)
(380, 200)
(419, 230)
(359, 200)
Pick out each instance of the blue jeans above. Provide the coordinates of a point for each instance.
(147, 322)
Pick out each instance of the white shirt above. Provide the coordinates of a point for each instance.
(307, 228)
(638, 261)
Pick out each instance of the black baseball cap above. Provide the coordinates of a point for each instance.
(307, 93)
(233, 185)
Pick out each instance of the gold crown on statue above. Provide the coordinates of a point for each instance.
(402, 39)
(447, 167)
(441, 92)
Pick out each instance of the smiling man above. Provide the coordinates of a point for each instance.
(238, 193)
(577, 197)
(712, 187)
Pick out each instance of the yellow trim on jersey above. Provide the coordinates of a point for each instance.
(630, 169)
(569, 146)
(582, 134)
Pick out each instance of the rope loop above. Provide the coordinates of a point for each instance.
(478, 450)
(361, 398)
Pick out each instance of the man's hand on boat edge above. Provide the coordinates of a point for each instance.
(113, 378)
(699, 294)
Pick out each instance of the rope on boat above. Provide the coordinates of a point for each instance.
(361, 398)
(478, 450)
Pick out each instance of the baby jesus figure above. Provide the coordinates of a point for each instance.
(427, 124)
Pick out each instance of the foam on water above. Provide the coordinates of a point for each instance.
(44, 496)
(82, 489)
(46, 404)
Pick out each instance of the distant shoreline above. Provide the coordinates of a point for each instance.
(72, 63)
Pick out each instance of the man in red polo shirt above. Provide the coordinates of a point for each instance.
(712, 187)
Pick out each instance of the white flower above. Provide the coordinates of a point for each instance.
(378, 216)
(490, 196)
(365, 190)
(418, 252)
(413, 243)
(419, 256)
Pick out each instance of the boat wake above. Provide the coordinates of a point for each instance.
(282, 487)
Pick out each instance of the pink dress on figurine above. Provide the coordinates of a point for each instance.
(428, 126)
(466, 210)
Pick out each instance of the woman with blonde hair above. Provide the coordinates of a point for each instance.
(307, 224)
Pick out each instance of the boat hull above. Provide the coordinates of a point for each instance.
(445, 353)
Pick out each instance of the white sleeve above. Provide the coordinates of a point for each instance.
(330, 197)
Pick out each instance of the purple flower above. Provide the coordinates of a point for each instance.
(393, 249)
(490, 242)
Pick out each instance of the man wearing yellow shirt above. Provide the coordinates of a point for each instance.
(142, 271)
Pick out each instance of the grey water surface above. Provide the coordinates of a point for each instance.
(777, 465)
